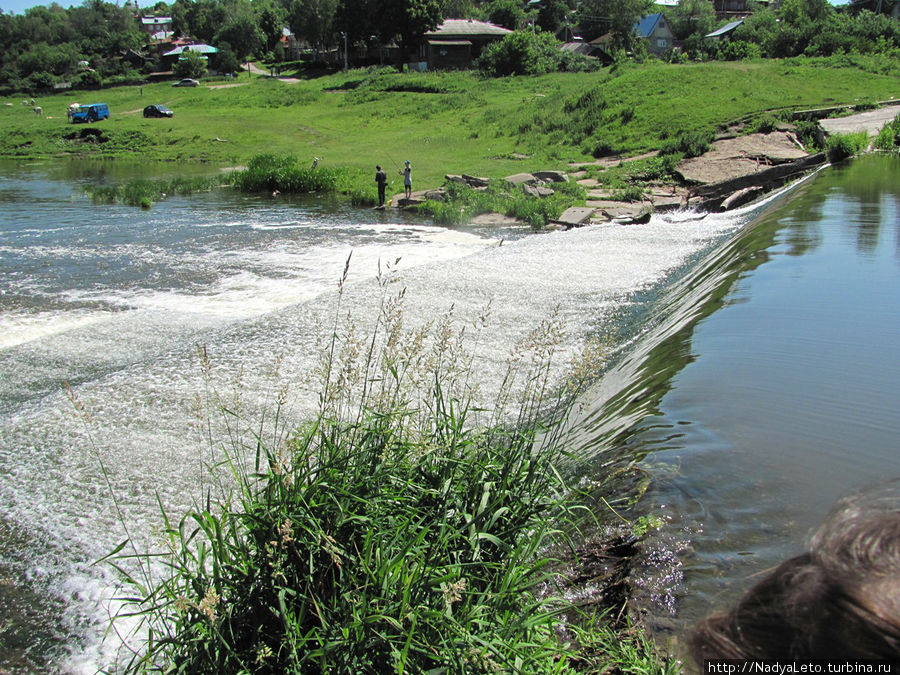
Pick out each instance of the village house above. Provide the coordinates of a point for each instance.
(889, 7)
(724, 33)
(171, 57)
(156, 24)
(654, 30)
(456, 43)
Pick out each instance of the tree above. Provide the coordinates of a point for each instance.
(314, 21)
(191, 64)
(506, 13)
(272, 18)
(243, 34)
(691, 18)
(408, 20)
(226, 61)
(617, 17)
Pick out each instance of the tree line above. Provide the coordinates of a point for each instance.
(101, 42)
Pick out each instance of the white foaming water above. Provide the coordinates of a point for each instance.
(17, 328)
(136, 372)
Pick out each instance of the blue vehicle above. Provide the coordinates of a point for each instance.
(92, 112)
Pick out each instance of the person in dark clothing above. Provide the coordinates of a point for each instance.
(381, 179)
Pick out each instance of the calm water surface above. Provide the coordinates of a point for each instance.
(788, 395)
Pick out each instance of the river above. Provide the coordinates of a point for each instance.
(751, 351)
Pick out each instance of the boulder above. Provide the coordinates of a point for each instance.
(520, 178)
(551, 176)
(537, 190)
(475, 181)
(575, 216)
(438, 195)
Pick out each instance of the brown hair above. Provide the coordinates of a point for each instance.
(839, 600)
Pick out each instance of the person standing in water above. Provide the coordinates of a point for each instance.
(407, 179)
(381, 180)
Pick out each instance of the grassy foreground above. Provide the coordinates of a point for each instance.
(443, 122)
(402, 530)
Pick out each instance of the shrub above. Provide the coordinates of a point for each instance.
(810, 134)
(764, 124)
(268, 173)
(521, 53)
(841, 146)
(689, 143)
(738, 50)
(90, 79)
(462, 203)
(889, 136)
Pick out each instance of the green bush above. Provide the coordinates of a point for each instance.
(811, 135)
(738, 50)
(889, 136)
(689, 143)
(268, 173)
(462, 203)
(842, 146)
(528, 53)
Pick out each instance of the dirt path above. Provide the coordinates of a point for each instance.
(870, 121)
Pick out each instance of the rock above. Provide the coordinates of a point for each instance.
(537, 190)
(519, 178)
(438, 195)
(575, 216)
(475, 182)
(551, 176)
(471, 181)
(642, 217)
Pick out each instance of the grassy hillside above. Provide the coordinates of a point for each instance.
(443, 122)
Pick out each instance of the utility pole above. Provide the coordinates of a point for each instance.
(344, 35)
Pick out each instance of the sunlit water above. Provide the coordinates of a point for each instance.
(114, 301)
(765, 387)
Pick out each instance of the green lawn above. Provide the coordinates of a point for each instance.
(443, 122)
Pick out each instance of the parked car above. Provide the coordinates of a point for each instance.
(157, 110)
(92, 112)
(186, 82)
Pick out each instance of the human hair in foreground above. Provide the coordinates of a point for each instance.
(841, 599)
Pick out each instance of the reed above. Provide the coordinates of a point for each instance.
(889, 136)
(839, 147)
(403, 529)
(462, 203)
(144, 193)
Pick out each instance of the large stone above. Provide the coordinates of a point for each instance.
(575, 216)
(520, 178)
(438, 195)
(475, 181)
(551, 176)
(537, 190)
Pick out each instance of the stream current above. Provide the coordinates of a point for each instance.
(753, 378)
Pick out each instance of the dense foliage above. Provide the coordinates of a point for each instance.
(526, 53)
(49, 44)
(99, 42)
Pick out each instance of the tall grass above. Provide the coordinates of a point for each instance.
(144, 192)
(462, 203)
(284, 173)
(401, 530)
(843, 146)
(889, 136)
